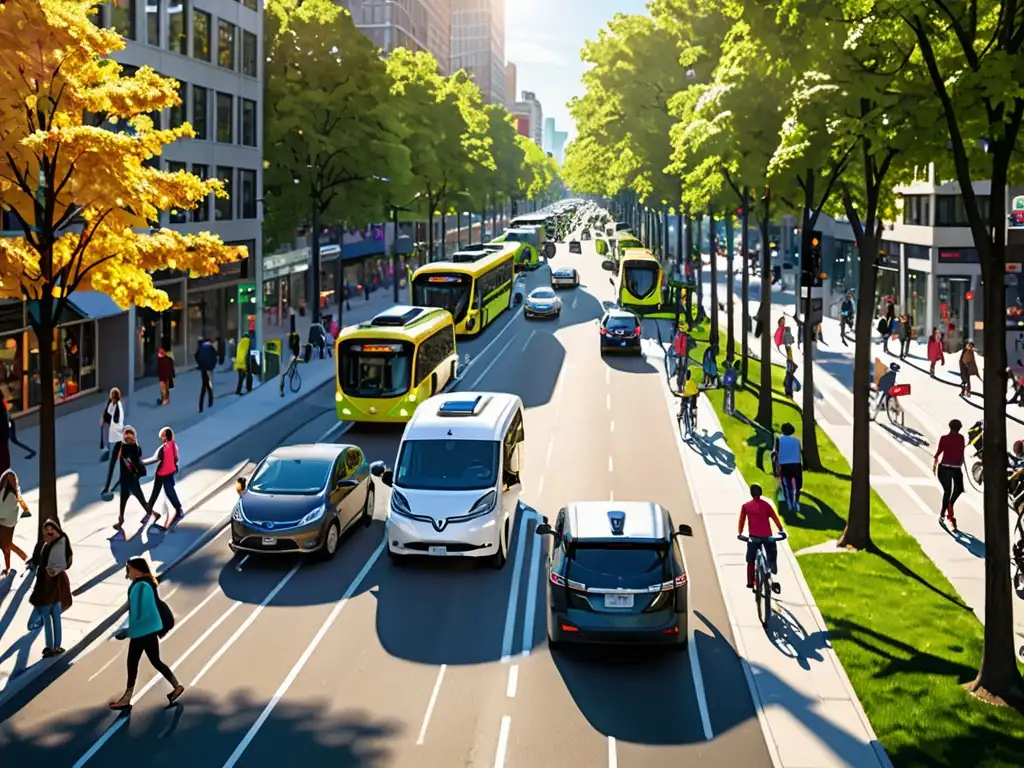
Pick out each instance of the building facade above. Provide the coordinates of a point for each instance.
(419, 25)
(530, 107)
(558, 145)
(510, 85)
(478, 45)
(213, 49)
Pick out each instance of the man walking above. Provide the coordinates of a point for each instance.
(206, 360)
(846, 316)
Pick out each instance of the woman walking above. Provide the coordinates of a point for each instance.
(904, 330)
(11, 503)
(113, 420)
(948, 466)
(12, 432)
(165, 373)
(935, 353)
(52, 592)
(166, 460)
(129, 457)
(145, 626)
(968, 368)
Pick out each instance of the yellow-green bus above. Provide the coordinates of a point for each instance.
(532, 239)
(639, 284)
(391, 364)
(475, 292)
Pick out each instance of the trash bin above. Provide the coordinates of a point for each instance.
(271, 359)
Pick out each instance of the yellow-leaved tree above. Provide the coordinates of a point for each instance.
(74, 146)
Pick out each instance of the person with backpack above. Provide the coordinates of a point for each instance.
(149, 619)
(166, 460)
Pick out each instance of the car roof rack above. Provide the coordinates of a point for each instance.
(463, 408)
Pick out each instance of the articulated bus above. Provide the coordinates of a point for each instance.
(639, 284)
(387, 366)
(474, 292)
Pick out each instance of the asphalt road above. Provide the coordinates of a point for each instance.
(357, 663)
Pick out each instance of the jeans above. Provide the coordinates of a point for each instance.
(50, 615)
(115, 449)
(165, 483)
(130, 487)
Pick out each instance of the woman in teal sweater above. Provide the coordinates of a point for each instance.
(143, 633)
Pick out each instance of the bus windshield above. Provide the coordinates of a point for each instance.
(641, 278)
(447, 291)
(375, 368)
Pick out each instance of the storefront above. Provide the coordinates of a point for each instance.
(284, 282)
(887, 280)
(956, 282)
(918, 271)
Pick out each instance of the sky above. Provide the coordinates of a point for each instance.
(543, 39)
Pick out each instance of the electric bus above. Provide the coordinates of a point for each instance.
(639, 284)
(533, 240)
(392, 363)
(474, 292)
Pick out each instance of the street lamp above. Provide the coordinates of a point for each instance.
(395, 209)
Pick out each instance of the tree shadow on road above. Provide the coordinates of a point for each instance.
(906, 571)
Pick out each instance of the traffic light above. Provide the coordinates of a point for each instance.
(811, 272)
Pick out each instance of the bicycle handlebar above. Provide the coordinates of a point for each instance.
(777, 537)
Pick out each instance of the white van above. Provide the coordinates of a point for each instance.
(456, 483)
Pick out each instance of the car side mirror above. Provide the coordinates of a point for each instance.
(684, 530)
(240, 485)
(388, 477)
(347, 482)
(609, 265)
(544, 530)
(378, 468)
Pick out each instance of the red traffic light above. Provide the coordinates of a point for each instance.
(969, 295)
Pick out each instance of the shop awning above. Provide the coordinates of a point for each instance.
(93, 305)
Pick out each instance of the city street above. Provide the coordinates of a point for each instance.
(359, 663)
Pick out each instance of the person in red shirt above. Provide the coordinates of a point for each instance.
(757, 514)
(948, 465)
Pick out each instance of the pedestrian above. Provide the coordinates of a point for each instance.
(165, 373)
(12, 434)
(903, 333)
(729, 379)
(846, 314)
(968, 368)
(710, 366)
(935, 352)
(947, 464)
(787, 458)
(113, 419)
(789, 384)
(166, 460)
(51, 595)
(242, 365)
(129, 457)
(148, 620)
(206, 361)
(10, 504)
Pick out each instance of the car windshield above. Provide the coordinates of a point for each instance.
(447, 465)
(368, 368)
(563, 273)
(620, 559)
(641, 278)
(291, 476)
(618, 322)
(543, 294)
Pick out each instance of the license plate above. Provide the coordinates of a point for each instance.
(618, 601)
(437, 551)
(622, 343)
(269, 541)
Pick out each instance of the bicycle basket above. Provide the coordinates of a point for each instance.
(900, 390)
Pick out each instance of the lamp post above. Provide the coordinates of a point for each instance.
(395, 210)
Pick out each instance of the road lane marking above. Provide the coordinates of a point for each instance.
(698, 680)
(611, 427)
(531, 597)
(490, 365)
(613, 757)
(608, 402)
(499, 755)
(513, 592)
(463, 371)
(241, 563)
(171, 594)
(430, 704)
(574, 300)
(341, 427)
(551, 448)
(317, 639)
(513, 681)
(611, 495)
(528, 340)
(611, 467)
(540, 485)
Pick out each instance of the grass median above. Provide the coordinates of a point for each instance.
(902, 632)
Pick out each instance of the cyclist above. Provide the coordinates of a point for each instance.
(788, 459)
(886, 382)
(690, 392)
(757, 514)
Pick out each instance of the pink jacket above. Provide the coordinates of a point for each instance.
(934, 350)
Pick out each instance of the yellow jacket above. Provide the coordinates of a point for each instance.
(242, 354)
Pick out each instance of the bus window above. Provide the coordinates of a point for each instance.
(641, 279)
(449, 292)
(370, 368)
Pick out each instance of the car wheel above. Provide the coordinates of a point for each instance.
(331, 541)
(497, 560)
(368, 507)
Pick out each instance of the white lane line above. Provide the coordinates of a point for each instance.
(611, 495)
(528, 340)
(241, 563)
(513, 592)
(513, 681)
(574, 300)
(317, 639)
(177, 626)
(341, 427)
(531, 597)
(613, 757)
(608, 402)
(611, 427)
(551, 448)
(169, 595)
(499, 755)
(698, 680)
(540, 485)
(611, 467)
(483, 352)
(490, 365)
(430, 705)
(246, 624)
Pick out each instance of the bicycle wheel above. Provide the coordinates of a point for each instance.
(757, 594)
(294, 380)
(766, 598)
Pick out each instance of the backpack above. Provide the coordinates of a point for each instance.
(166, 616)
(883, 326)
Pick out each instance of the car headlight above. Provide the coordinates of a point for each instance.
(483, 505)
(313, 516)
(400, 504)
(236, 514)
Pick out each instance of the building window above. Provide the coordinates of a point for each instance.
(247, 121)
(201, 25)
(153, 21)
(250, 4)
(122, 17)
(200, 111)
(222, 205)
(225, 44)
(248, 54)
(176, 216)
(224, 132)
(916, 210)
(179, 114)
(950, 210)
(202, 211)
(177, 26)
(922, 252)
(247, 201)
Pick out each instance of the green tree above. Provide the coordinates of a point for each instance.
(501, 185)
(538, 172)
(331, 129)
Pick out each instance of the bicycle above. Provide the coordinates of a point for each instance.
(686, 418)
(893, 409)
(764, 586)
(790, 491)
(291, 373)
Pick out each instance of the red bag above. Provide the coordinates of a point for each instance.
(900, 390)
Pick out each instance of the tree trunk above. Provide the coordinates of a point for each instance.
(730, 326)
(745, 286)
(809, 435)
(713, 250)
(314, 261)
(48, 507)
(764, 314)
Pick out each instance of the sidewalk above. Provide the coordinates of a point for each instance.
(809, 713)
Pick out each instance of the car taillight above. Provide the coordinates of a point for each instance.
(604, 331)
(557, 580)
(668, 586)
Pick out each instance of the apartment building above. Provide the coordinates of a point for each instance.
(530, 109)
(478, 45)
(419, 25)
(510, 85)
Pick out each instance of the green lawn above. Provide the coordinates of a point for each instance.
(899, 627)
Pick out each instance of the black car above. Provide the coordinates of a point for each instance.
(616, 574)
(620, 332)
(575, 247)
